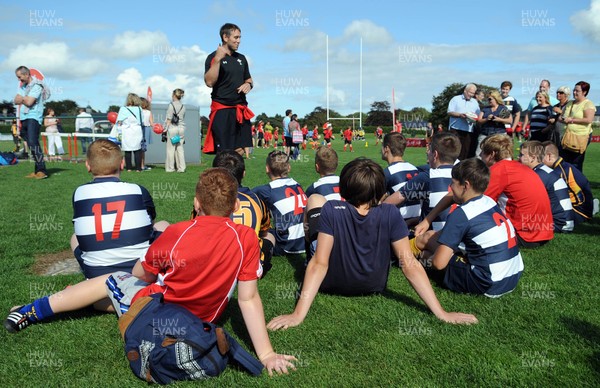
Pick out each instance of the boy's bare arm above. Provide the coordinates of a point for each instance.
(315, 273)
(139, 272)
(444, 204)
(395, 198)
(416, 276)
(254, 318)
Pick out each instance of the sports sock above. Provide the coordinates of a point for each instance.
(413, 247)
(38, 310)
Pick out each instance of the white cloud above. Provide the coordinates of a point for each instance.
(137, 44)
(54, 59)
(181, 59)
(131, 80)
(587, 22)
(368, 31)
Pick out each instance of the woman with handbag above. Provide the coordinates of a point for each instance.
(129, 128)
(578, 117)
(175, 133)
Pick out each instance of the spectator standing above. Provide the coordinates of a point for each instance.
(460, 109)
(55, 146)
(84, 124)
(30, 98)
(175, 133)
(578, 119)
(129, 123)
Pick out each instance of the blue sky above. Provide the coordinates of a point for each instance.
(96, 52)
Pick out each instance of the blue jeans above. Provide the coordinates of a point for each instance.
(30, 131)
(85, 141)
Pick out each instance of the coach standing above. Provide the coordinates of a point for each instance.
(228, 74)
(29, 98)
(458, 107)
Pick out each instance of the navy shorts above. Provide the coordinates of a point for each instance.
(90, 271)
(459, 277)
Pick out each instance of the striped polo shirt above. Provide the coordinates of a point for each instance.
(328, 186)
(112, 221)
(482, 231)
(286, 200)
(396, 176)
(560, 201)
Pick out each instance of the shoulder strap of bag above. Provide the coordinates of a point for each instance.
(174, 109)
(140, 115)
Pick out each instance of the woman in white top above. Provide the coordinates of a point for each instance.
(147, 123)
(175, 125)
(55, 145)
(129, 123)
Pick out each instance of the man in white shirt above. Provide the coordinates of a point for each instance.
(84, 124)
(462, 110)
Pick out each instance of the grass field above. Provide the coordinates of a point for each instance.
(545, 333)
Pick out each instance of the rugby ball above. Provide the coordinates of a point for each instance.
(471, 116)
(158, 128)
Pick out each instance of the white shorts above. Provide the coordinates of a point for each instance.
(122, 288)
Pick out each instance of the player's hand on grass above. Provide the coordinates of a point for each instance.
(278, 363)
(283, 322)
(459, 318)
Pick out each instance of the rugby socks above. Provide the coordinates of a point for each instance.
(38, 310)
(413, 247)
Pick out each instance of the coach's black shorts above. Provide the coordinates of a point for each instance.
(228, 134)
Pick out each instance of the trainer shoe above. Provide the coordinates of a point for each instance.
(40, 175)
(16, 321)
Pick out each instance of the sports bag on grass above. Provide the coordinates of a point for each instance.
(8, 158)
(165, 342)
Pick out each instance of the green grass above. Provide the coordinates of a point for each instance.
(545, 333)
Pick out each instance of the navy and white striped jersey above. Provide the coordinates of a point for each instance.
(560, 201)
(480, 228)
(286, 200)
(396, 176)
(328, 186)
(112, 221)
(431, 185)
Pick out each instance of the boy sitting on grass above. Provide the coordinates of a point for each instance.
(286, 201)
(199, 277)
(252, 211)
(100, 244)
(328, 185)
(477, 248)
(354, 246)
